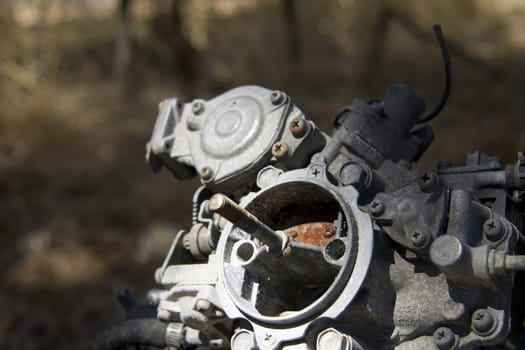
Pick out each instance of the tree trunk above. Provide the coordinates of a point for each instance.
(292, 30)
(122, 55)
(184, 54)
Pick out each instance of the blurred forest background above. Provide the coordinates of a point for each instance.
(82, 216)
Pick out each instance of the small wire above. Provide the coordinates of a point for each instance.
(448, 73)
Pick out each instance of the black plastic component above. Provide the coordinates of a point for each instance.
(403, 107)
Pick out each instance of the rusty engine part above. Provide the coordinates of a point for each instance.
(304, 240)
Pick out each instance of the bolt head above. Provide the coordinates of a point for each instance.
(242, 340)
(377, 208)
(331, 339)
(315, 171)
(354, 174)
(299, 127)
(428, 181)
(206, 173)
(482, 321)
(444, 338)
(418, 238)
(280, 150)
(493, 229)
(268, 339)
(197, 107)
(277, 97)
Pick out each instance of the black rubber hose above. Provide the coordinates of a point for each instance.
(448, 76)
(146, 331)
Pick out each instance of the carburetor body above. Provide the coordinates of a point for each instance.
(305, 240)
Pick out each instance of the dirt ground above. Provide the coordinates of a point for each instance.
(81, 214)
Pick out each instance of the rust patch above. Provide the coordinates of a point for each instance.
(314, 233)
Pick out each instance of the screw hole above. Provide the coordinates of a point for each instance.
(335, 249)
(245, 251)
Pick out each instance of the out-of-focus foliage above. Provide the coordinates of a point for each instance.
(81, 216)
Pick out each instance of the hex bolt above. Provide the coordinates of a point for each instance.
(419, 239)
(202, 305)
(377, 208)
(280, 150)
(277, 97)
(428, 181)
(197, 107)
(299, 127)
(206, 173)
(356, 175)
(482, 321)
(444, 338)
(493, 229)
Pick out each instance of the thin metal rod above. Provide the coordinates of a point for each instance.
(277, 241)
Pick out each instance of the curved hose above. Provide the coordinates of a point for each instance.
(146, 331)
(448, 76)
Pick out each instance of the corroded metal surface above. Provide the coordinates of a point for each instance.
(315, 233)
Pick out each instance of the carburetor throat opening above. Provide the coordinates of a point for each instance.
(297, 285)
